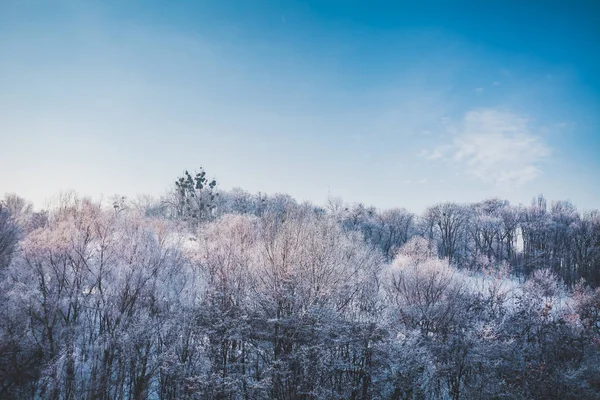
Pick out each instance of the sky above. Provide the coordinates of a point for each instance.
(393, 104)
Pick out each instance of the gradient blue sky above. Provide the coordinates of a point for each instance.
(387, 103)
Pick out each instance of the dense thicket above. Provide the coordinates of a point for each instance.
(239, 296)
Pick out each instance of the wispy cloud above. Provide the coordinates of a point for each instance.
(495, 147)
(479, 90)
(435, 154)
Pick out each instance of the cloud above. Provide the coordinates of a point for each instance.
(431, 155)
(496, 147)
(479, 90)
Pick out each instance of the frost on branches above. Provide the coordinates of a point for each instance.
(240, 296)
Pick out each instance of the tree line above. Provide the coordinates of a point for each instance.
(227, 295)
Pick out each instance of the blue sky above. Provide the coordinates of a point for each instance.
(387, 103)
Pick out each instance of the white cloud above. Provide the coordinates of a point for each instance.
(496, 147)
(479, 90)
(431, 155)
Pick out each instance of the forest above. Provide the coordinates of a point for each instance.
(214, 294)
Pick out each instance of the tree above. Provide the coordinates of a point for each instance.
(9, 236)
(316, 285)
(423, 289)
(194, 198)
(446, 224)
(272, 298)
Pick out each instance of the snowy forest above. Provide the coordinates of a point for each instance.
(215, 294)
